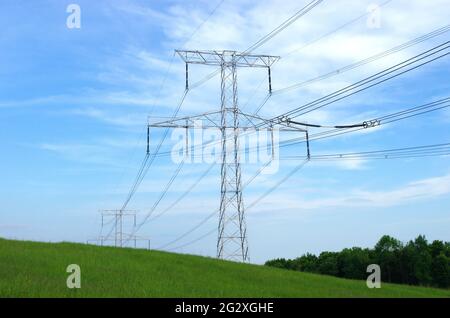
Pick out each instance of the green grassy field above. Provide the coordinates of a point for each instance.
(29, 269)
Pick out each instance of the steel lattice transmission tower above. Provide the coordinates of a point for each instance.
(232, 230)
(120, 238)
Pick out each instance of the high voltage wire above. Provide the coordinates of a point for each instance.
(382, 120)
(185, 193)
(266, 38)
(387, 71)
(386, 119)
(162, 195)
(160, 198)
(442, 149)
(396, 153)
(283, 25)
(371, 78)
(279, 183)
(352, 66)
(337, 29)
(163, 82)
(149, 159)
(254, 203)
(335, 96)
(193, 241)
(413, 152)
(209, 216)
(298, 111)
(204, 21)
(146, 166)
(394, 117)
(312, 42)
(368, 60)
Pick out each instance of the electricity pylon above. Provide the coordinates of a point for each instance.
(232, 230)
(118, 223)
(120, 237)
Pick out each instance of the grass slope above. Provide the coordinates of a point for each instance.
(30, 269)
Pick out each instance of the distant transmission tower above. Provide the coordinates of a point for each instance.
(116, 217)
(232, 230)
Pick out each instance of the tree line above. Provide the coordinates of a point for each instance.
(414, 263)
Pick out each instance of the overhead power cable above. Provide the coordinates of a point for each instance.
(371, 78)
(380, 77)
(283, 25)
(211, 215)
(203, 22)
(442, 149)
(185, 193)
(149, 159)
(397, 153)
(368, 60)
(253, 204)
(337, 29)
(265, 38)
(382, 120)
(160, 198)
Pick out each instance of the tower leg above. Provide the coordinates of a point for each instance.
(232, 231)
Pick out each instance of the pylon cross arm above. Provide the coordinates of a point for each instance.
(218, 58)
(212, 120)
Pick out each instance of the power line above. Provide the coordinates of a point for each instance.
(368, 60)
(210, 216)
(415, 41)
(279, 183)
(442, 149)
(337, 29)
(317, 40)
(381, 120)
(393, 117)
(352, 66)
(336, 96)
(160, 197)
(254, 203)
(283, 25)
(185, 193)
(194, 241)
(405, 152)
(203, 22)
(265, 38)
(149, 159)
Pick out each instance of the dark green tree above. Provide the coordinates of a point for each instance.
(440, 271)
(416, 263)
(386, 254)
(306, 263)
(422, 260)
(278, 262)
(353, 262)
(327, 263)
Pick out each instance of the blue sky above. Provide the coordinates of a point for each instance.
(74, 104)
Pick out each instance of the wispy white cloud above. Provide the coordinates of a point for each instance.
(420, 190)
